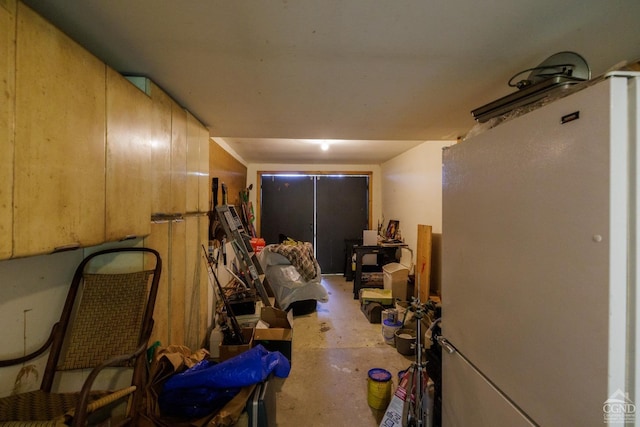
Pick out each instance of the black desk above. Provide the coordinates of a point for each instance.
(386, 254)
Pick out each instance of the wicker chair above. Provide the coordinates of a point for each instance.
(106, 322)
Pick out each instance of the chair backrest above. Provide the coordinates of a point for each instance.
(108, 311)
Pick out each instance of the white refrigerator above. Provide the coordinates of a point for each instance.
(540, 271)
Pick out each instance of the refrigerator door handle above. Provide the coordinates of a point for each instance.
(446, 344)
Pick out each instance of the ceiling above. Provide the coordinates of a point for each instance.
(378, 76)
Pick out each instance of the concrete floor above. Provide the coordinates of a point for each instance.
(333, 350)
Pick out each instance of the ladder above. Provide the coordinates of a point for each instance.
(241, 242)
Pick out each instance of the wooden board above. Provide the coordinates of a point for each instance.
(423, 262)
(7, 117)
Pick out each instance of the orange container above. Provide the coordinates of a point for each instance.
(258, 244)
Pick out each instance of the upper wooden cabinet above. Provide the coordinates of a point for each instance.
(7, 117)
(59, 197)
(178, 159)
(204, 188)
(161, 189)
(128, 195)
(85, 156)
(197, 174)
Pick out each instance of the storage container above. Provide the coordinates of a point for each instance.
(396, 275)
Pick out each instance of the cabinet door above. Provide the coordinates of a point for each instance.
(59, 197)
(195, 290)
(206, 290)
(7, 116)
(159, 240)
(204, 189)
(194, 136)
(129, 112)
(178, 159)
(160, 151)
(178, 280)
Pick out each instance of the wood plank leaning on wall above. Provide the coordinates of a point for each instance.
(423, 262)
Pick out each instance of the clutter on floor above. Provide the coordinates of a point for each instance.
(413, 402)
(191, 389)
(246, 330)
(407, 326)
(294, 275)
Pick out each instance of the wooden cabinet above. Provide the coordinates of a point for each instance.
(7, 117)
(182, 306)
(59, 197)
(128, 199)
(204, 186)
(178, 277)
(178, 159)
(197, 173)
(159, 240)
(196, 287)
(161, 189)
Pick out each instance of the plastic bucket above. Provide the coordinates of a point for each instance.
(389, 329)
(405, 341)
(379, 388)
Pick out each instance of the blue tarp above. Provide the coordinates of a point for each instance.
(208, 386)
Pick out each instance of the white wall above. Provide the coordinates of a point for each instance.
(412, 189)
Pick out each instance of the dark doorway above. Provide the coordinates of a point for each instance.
(342, 212)
(287, 207)
(323, 209)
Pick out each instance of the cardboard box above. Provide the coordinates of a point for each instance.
(228, 351)
(279, 335)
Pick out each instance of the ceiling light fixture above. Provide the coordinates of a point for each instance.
(324, 146)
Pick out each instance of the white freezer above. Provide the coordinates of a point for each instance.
(537, 287)
(465, 408)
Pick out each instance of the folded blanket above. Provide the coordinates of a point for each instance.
(300, 255)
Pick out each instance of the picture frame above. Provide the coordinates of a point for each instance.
(392, 229)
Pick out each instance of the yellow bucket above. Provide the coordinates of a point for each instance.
(379, 388)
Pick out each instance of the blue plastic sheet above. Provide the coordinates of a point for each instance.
(208, 386)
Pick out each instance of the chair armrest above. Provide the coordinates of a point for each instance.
(81, 408)
(34, 354)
